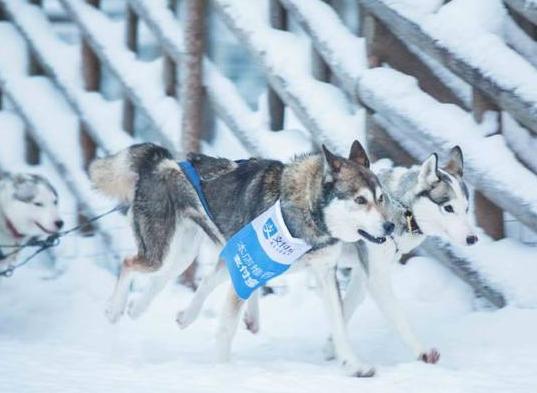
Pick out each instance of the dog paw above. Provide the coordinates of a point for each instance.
(358, 370)
(183, 319)
(112, 312)
(252, 324)
(328, 350)
(430, 357)
(136, 309)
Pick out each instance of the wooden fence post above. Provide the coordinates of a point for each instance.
(91, 74)
(191, 87)
(131, 41)
(31, 149)
(488, 215)
(2, 19)
(170, 68)
(276, 107)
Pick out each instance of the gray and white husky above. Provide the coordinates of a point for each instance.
(325, 200)
(421, 201)
(28, 208)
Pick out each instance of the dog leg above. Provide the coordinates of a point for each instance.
(118, 302)
(326, 277)
(380, 287)
(208, 284)
(183, 250)
(251, 316)
(139, 305)
(229, 320)
(354, 296)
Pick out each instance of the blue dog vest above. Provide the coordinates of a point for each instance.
(259, 251)
(194, 178)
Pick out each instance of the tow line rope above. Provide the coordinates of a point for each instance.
(44, 244)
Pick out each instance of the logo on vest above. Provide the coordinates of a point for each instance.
(261, 250)
(269, 229)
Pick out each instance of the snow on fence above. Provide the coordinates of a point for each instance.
(474, 60)
(61, 62)
(527, 8)
(221, 92)
(136, 77)
(320, 107)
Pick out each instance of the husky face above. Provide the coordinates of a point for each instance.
(30, 206)
(441, 208)
(355, 200)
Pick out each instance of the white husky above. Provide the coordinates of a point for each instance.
(28, 208)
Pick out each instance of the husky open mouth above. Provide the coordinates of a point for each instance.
(371, 238)
(43, 228)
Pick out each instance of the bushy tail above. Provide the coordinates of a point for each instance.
(116, 175)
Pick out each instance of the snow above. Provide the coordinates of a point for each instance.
(520, 41)
(343, 49)
(508, 266)
(520, 140)
(54, 337)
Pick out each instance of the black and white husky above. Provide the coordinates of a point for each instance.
(325, 200)
(422, 201)
(28, 208)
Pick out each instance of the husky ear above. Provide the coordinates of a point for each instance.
(358, 154)
(24, 188)
(332, 163)
(455, 164)
(429, 171)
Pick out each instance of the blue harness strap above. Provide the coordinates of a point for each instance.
(194, 178)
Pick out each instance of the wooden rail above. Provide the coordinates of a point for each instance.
(309, 99)
(527, 9)
(126, 70)
(108, 137)
(476, 74)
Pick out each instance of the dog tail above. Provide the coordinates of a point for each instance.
(116, 175)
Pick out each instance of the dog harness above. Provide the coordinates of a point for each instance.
(195, 179)
(260, 250)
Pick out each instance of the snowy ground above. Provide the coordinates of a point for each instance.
(54, 338)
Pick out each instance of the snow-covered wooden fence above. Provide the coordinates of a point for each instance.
(333, 88)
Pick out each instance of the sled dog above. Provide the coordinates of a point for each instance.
(28, 208)
(325, 200)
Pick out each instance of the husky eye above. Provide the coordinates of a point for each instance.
(360, 200)
(449, 208)
(381, 198)
(38, 204)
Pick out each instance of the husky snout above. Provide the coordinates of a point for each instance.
(388, 228)
(471, 240)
